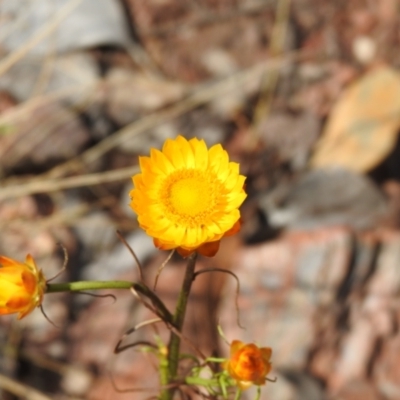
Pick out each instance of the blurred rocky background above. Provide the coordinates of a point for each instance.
(304, 94)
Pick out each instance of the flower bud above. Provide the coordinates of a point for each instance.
(248, 364)
(21, 286)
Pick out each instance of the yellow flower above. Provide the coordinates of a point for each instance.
(187, 197)
(248, 364)
(21, 286)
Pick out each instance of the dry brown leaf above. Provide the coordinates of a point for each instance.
(362, 128)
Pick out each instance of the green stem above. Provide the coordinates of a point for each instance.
(196, 380)
(87, 285)
(178, 318)
(164, 374)
(258, 393)
(238, 394)
(161, 309)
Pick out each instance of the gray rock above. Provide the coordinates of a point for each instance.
(43, 133)
(326, 197)
(91, 23)
(130, 94)
(72, 76)
(111, 264)
(292, 136)
(96, 232)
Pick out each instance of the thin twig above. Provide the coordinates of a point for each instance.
(52, 185)
(24, 109)
(123, 240)
(54, 22)
(118, 348)
(20, 390)
(156, 306)
(96, 295)
(133, 389)
(199, 96)
(270, 80)
(226, 271)
(47, 68)
(47, 317)
(161, 268)
(64, 266)
(169, 325)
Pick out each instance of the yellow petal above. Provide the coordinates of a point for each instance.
(7, 262)
(236, 345)
(200, 152)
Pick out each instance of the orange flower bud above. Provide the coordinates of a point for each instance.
(248, 364)
(21, 286)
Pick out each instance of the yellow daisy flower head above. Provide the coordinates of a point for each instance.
(22, 286)
(187, 196)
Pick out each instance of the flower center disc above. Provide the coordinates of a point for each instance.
(190, 196)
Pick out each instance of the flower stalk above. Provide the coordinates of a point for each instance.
(159, 307)
(86, 285)
(178, 318)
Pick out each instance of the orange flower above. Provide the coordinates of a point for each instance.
(21, 286)
(248, 364)
(187, 197)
